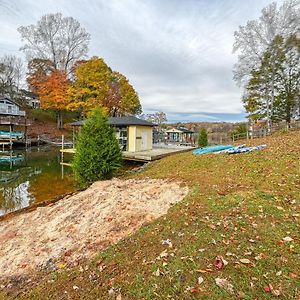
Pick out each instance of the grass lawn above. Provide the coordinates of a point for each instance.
(239, 226)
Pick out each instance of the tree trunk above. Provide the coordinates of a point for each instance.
(268, 116)
(60, 123)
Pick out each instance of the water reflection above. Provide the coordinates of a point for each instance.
(29, 176)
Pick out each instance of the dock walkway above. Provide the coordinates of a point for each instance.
(144, 156)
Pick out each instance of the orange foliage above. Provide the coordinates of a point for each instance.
(53, 90)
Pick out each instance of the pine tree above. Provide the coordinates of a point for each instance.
(98, 153)
(202, 139)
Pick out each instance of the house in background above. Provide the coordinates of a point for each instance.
(180, 135)
(9, 107)
(133, 134)
(33, 102)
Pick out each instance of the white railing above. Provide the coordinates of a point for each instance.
(11, 112)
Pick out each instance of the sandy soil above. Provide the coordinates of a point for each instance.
(79, 226)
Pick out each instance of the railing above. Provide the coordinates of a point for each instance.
(14, 120)
(263, 132)
(12, 112)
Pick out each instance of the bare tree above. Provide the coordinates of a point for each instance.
(157, 117)
(253, 39)
(256, 37)
(59, 39)
(11, 72)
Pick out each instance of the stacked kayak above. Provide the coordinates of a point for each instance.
(229, 149)
(246, 149)
(212, 149)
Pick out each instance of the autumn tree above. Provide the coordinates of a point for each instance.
(95, 84)
(38, 71)
(53, 93)
(58, 39)
(121, 97)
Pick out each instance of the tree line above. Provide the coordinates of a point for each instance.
(268, 67)
(59, 74)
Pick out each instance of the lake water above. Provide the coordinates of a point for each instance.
(32, 176)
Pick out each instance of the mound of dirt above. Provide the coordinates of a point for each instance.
(77, 227)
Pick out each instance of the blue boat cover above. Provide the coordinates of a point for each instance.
(13, 134)
(211, 149)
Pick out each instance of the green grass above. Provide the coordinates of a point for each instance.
(239, 207)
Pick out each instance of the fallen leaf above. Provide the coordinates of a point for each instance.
(119, 297)
(293, 275)
(287, 239)
(167, 242)
(241, 295)
(157, 272)
(220, 262)
(245, 261)
(200, 280)
(267, 289)
(224, 283)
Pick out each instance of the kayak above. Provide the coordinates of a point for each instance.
(231, 149)
(212, 149)
(246, 149)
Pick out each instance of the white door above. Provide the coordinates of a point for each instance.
(144, 141)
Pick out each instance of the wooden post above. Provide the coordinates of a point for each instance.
(25, 132)
(73, 137)
(62, 152)
(10, 137)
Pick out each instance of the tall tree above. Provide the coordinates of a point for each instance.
(59, 39)
(11, 71)
(256, 37)
(95, 84)
(288, 75)
(121, 97)
(253, 39)
(277, 79)
(53, 93)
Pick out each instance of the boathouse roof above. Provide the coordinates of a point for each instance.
(121, 121)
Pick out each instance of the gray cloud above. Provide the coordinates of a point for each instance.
(177, 54)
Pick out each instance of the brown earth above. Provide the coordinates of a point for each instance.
(78, 226)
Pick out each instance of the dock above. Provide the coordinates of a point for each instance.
(154, 154)
(141, 156)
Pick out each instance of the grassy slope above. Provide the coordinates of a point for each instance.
(239, 207)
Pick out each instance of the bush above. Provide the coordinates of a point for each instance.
(240, 132)
(202, 138)
(98, 154)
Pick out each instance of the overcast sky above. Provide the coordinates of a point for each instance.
(176, 53)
